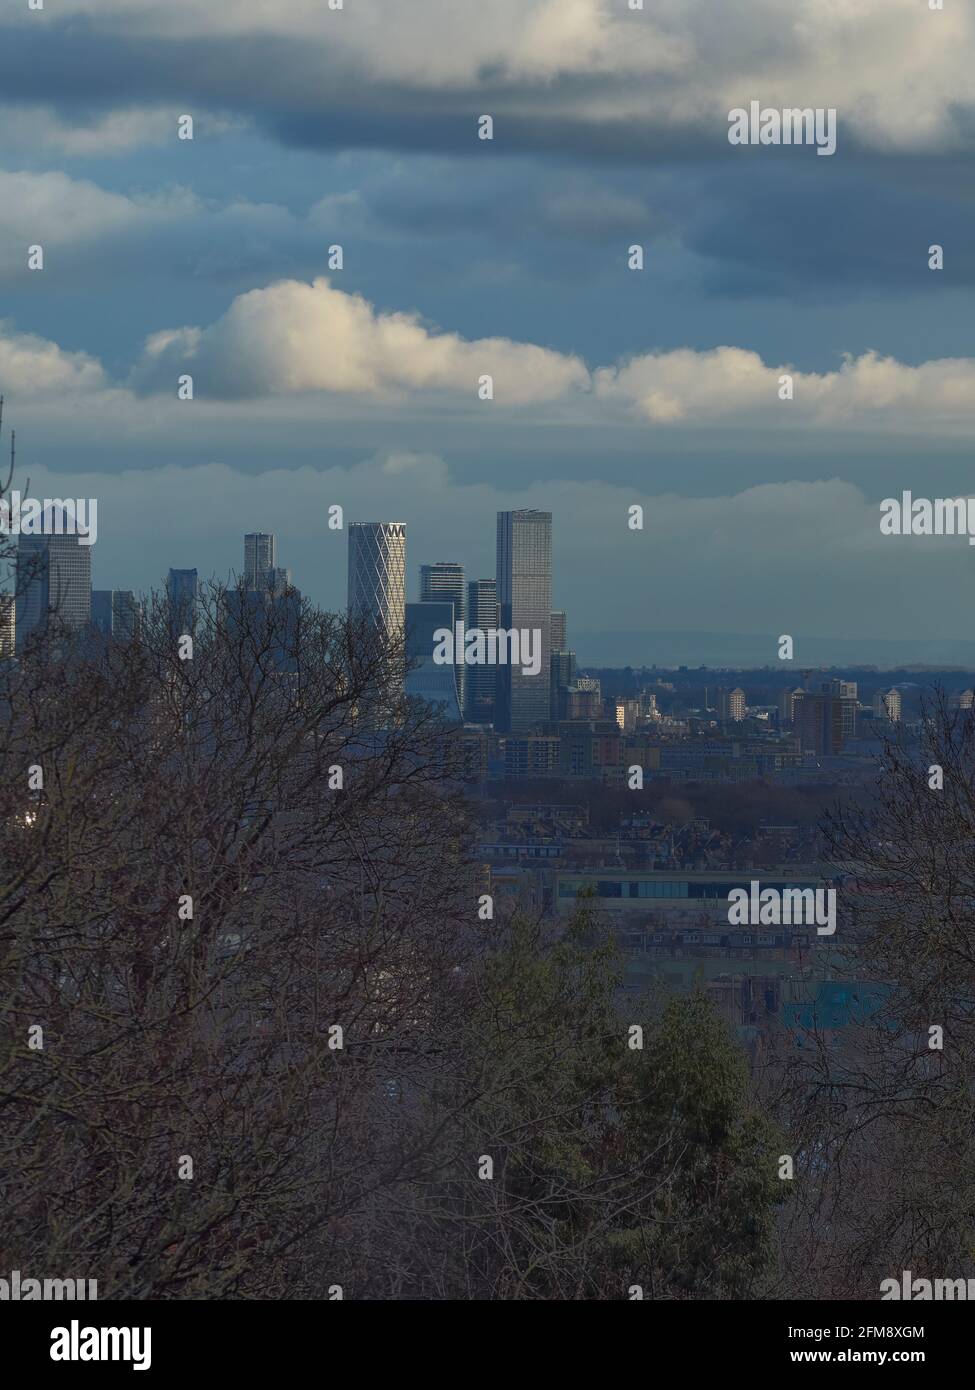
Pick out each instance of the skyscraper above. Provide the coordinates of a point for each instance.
(377, 576)
(731, 704)
(126, 615)
(524, 568)
(445, 580)
(482, 612)
(563, 675)
(8, 625)
(260, 558)
(818, 720)
(887, 705)
(426, 679)
(279, 580)
(53, 580)
(183, 592)
(101, 610)
(557, 626)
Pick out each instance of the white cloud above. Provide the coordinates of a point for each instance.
(314, 352)
(294, 337)
(40, 128)
(34, 367)
(729, 383)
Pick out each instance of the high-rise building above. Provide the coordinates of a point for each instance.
(8, 625)
(846, 693)
(481, 681)
(260, 558)
(53, 579)
(102, 601)
(557, 630)
(377, 576)
(786, 704)
(524, 569)
(426, 679)
(847, 690)
(265, 621)
(648, 704)
(279, 580)
(627, 714)
(126, 615)
(183, 594)
(584, 702)
(731, 704)
(445, 580)
(887, 705)
(820, 720)
(563, 675)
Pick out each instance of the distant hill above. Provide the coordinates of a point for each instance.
(743, 650)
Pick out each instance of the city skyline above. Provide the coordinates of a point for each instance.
(336, 266)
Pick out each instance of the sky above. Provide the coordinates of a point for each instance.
(463, 257)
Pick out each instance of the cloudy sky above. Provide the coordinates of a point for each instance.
(465, 257)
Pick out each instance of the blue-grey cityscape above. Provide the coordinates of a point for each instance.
(487, 684)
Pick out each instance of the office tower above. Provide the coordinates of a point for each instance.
(445, 580)
(279, 580)
(557, 630)
(524, 570)
(428, 680)
(101, 610)
(259, 559)
(53, 579)
(591, 683)
(887, 705)
(480, 681)
(182, 593)
(8, 625)
(126, 615)
(377, 577)
(563, 675)
(731, 705)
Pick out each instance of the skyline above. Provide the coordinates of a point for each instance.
(673, 648)
(338, 259)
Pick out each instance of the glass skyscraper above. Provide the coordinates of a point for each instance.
(183, 592)
(445, 580)
(525, 600)
(482, 612)
(259, 559)
(426, 679)
(53, 580)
